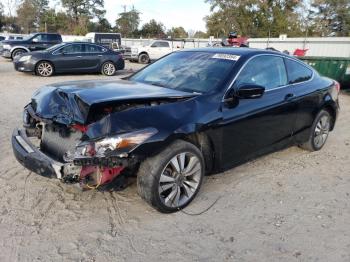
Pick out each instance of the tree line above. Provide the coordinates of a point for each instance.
(252, 18)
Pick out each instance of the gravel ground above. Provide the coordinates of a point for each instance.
(288, 206)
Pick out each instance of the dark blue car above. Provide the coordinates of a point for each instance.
(75, 57)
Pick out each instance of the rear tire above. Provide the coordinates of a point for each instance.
(319, 132)
(44, 69)
(170, 180)
(108, 69)
(144, 59)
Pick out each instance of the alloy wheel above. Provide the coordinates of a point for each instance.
(109, 69)
(180, 179)
(45, 69)
(321, 131)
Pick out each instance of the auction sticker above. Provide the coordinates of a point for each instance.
(226, 57)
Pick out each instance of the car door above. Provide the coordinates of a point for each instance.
(159, 49)
(164, 49)
(39, 42)
(254, 126)
(93, 55)
(69, 58)
(306, 97)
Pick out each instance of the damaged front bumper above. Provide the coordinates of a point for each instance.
(71, 172)
(32, 158)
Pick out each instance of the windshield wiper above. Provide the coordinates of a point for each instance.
(156, 84)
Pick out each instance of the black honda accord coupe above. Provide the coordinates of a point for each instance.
(191, 113)
(72, 57)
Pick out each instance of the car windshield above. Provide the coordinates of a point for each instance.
(189, 71)
(28, 36)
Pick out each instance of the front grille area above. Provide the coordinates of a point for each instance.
(57, 141)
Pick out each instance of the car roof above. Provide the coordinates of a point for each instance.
(82, 42)
(240, 51)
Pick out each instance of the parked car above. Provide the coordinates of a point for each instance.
(144, 54)
(74, 57)
(188, 114)
(34, 42)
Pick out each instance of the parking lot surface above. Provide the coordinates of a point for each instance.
(288, 206)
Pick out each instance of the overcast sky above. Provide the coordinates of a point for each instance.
(172, 13)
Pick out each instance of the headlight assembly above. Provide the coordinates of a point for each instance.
(6, 47)
(25, 58)
(124, 142)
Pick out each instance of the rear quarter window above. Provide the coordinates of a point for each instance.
(297, 72)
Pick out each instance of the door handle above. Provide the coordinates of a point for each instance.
(289, 96)
(100, 55)
(79, 56)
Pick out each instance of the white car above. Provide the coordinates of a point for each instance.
(153, 51)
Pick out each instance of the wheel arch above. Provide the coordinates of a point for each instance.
(19, 47)
(331, 109)
(205, 145)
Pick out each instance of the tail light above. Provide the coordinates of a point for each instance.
(337, 86)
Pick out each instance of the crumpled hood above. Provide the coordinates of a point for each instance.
(70, 102)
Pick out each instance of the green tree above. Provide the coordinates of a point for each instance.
(331, 17)
(153, 29)
(254, 18)
(26, 16)
(56, 22)
(200, 34)
(82, 9)
(2, 16)
(177, 32)
(128, 23)
(102, 26)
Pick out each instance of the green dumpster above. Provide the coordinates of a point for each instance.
(337, 68)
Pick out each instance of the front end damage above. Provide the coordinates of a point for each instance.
(92, 133)
(59, 151)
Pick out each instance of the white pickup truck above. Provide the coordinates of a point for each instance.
(155, 50)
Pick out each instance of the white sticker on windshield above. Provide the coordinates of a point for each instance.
(226, 57)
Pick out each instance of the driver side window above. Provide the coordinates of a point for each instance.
(267, 71)
(40, 38)
(72, 49)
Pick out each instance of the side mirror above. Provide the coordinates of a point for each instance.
(35, 40)
(250, 91)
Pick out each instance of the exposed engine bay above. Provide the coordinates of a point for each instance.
(92, 164)
(91, 133)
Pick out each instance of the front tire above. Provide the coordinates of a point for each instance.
(170, 180)
(44, 69)
(319, 132)
(108, 69)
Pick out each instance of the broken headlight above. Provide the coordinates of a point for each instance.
(123, 142)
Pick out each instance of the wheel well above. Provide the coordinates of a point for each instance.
(203, 142)
(332, 112)
(143, 53)
(19, 48)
